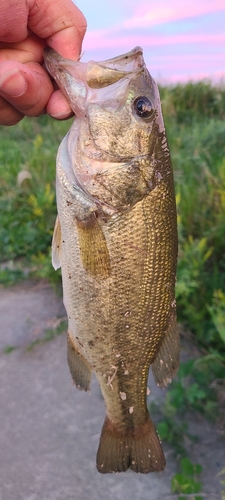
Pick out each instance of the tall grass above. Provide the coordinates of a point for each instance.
(27, 196)
(195, 122)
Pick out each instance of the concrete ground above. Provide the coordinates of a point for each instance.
(49, 431)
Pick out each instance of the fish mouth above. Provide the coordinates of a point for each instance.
(97, 74)
(79, 80)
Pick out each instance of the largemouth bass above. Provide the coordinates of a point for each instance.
(116, 241)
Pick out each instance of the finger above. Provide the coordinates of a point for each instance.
(26, 87)
(8, 114)
(29, 50)
(62, 24)
(58, 106)
(13, 17)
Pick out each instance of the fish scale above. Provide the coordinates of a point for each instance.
(116, 241)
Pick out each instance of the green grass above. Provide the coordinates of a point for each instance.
(197, 388)
(187, 480)
(195, 121)
(28, 208)
(9, 348)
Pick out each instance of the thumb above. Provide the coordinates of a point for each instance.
(61, 24)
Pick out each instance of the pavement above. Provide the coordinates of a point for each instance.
(49, 430)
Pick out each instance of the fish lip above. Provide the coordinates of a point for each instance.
(128, 63)
(53, 61)
(128, 56)
(70, 77)
(50, 53)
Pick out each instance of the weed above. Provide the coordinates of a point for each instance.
(41, 267)
(9, 348)
(50, 333)
(11, 276)
(217, 311)
(198, 159)
(186, 481)
(195, 388)
(27, 192)
(194, 100)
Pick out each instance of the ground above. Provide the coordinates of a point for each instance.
(49, 430)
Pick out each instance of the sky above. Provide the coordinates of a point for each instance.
(182, 39)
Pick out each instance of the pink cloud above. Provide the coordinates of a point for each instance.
(217, 77)
(191, 54)
(151, 15)
(96, 40)
(186, 61)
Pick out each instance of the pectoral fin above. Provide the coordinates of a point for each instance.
(167, 361)
(93, 248)
(56, 245)
(79, 368)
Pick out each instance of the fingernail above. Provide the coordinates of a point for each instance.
(62, 115)
(12, 83)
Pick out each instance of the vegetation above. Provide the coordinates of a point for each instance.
(187, 481)
(195, 122)
(195, 389)
(27, 198)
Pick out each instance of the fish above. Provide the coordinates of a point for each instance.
(115, 240)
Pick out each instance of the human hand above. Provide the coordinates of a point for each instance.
(26, 27)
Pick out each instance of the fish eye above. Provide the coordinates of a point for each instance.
(143, 106)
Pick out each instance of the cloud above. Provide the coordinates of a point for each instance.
(147, 14)
(218, 77)
(96, 40)
(181, 40)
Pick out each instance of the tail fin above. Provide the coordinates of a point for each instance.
(140, 450)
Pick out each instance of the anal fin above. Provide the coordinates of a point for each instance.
(79, 367)
(167, 361)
